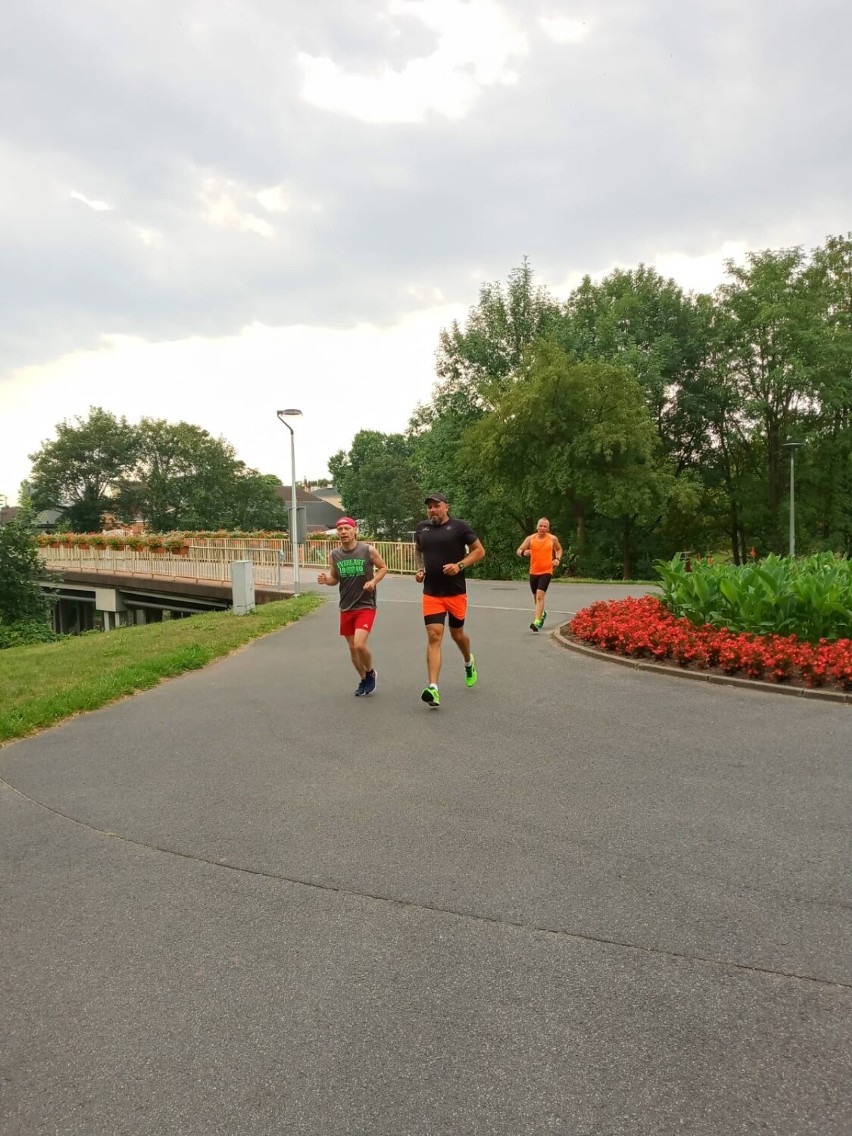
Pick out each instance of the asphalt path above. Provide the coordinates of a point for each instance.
(578, 898)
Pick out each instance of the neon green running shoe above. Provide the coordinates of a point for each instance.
(543, 618)
(431, 696)
(470, 672)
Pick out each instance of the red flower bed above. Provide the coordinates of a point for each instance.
(644, 628)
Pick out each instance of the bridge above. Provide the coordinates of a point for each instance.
(110, 587)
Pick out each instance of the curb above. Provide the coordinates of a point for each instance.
(700, 676)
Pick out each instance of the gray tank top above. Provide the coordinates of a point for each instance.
(353, 569)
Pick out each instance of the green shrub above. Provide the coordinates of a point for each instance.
(21, 597)
(25, 631)
(810, 598)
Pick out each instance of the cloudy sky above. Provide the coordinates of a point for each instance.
(213, 210)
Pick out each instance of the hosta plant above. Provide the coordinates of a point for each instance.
(810, 598)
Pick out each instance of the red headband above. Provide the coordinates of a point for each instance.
(347, 521)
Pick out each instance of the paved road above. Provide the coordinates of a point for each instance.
(577, 899)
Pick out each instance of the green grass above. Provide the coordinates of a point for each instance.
(45, 683)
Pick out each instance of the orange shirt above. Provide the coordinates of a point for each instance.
(541, 555)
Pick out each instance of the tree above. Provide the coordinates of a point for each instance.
(81, 467)
(639, 320)
(497, 332)
(829, 458)
(377, 483)
(475, 363)
(255, 502)
(21, 598)
(184, 478)
(575, 434)
(767, 349)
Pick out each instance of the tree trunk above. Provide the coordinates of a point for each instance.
(626, 550)
(579, 520)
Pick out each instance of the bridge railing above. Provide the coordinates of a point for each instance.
(211, 560)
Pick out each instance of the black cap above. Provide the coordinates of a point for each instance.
(437, 497)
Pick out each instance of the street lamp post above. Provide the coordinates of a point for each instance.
(281, 415)
(792, 447)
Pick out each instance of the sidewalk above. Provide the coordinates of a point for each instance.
(576, 899)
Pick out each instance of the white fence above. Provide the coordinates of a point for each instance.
(211, 560)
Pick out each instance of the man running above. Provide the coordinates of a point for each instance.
(444, 547)
(545, 552)
(356, 567)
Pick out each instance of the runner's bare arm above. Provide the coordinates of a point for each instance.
(330, 577)
(557, 551)
(475, 553)
(381, 568)
(524, 549)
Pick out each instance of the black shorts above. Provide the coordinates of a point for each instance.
(540, 583)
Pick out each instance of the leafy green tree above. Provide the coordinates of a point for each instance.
(255, 502)
(827, 459)
(81, 467)
(472, 361)
(21, 598)
(184, 477)
(768, 313)
(639, 320)
(575, 434)
(475, 363)
(377, 483)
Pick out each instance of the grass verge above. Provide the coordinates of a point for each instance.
(48, 682)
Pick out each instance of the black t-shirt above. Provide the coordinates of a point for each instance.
(440, 545)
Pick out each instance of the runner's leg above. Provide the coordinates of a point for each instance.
(435, 633)
(539, 603)
(365, 658)
(461, 640)
(355, 653)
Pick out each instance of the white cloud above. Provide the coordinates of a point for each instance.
(702, 273)
(148, 237)
(426, 294)
(343, 381)
(221, 210)
(563, 29)
(275, 199)
(97, 206)
(477, 43)
(656, 144)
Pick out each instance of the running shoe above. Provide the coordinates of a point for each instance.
(431, 696)
(534, 626)
(361, 689)
(470, 672)
(543, 618)
(369, 682)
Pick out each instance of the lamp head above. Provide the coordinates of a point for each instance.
(291, 412)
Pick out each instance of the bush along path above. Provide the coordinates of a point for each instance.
(778, 619)
(645, 628)
(810, 598)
